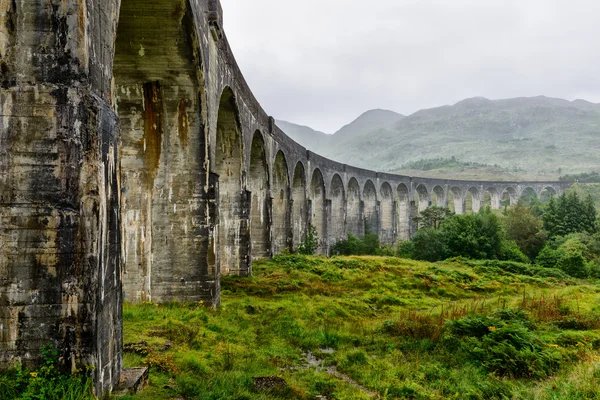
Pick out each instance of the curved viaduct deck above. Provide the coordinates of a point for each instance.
(135, 161)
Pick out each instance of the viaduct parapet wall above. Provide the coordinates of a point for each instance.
(135, 162)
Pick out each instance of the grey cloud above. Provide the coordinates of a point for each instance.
(323, 62)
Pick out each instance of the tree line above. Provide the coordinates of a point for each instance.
(562, 233)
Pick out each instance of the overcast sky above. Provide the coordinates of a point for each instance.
(322, 63)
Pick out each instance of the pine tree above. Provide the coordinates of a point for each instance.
(550, 217)
(590, 215)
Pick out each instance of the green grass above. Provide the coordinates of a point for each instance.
(399, 328)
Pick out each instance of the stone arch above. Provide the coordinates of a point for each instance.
(354, 220)
(233, 201)
(318, 209)
(280, 204)
(455, 200)
(473, 200)
(370, 207)
(162, 151)
(492, 198)
(528, 195)
(337, 228)
(546, 193)
(403, 211)
(258, 188)
(299, 208)
(422, 198)
(438, 197)
(509, 197)
(387, 232)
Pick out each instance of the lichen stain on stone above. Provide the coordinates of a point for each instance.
(183, 124)
(153, 129)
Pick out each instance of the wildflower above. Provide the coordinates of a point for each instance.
(580, 344)
(33, 374)
(492, 328)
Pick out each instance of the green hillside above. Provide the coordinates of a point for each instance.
(537, 136)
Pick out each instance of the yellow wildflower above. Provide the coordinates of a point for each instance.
(492, 328)
(33, 374)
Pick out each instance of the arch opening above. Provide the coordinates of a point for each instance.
(354, 220)
(472, 200)
(509, 197)
(299, 209)
(492, 198)
(337, 227)
(318, 207)
(422, 198)
(529, 196)
(438, 197)
(403, 212)
(233, 200)
(547, 193)
(159, 97)
(371, 220)
(258, 186)
(455, 200)
(281, 201)
(387, 233)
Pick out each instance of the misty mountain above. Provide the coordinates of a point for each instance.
(538, 135)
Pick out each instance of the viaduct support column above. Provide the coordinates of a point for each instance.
(60, 277)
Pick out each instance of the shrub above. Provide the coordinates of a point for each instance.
(367, 246)
(46, 383)
(429, 244)
(509, 251)
(310, 244)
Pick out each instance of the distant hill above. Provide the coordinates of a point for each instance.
(368, 122)
(537, 136)
(307, 137)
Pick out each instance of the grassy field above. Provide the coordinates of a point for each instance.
(371, 327)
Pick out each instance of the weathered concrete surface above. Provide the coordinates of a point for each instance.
(135, 160)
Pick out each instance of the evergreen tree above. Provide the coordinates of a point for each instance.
(590, 215)
(550, 217)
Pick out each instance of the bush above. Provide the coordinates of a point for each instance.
(310, 244)
(367, 246)
(46, 383)
(509, 251)
(429, 244)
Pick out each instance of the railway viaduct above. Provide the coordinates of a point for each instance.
(136, 165)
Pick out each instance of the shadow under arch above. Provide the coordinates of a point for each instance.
(403, 211)
(300, 207)
(337, 228)
(387, 232)
(318, 207)
(354, 219)
(258, 187)
(282, 237)
(422, 198)
(163, 144)
(234, 243)
(370, 208)
(472, 200)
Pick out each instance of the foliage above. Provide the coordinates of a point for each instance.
(432, 217)
(585, 177)
(569, 214)
(45, 383)
(524, 227)
(427, 244)
(368, 245)
(310, 244)
(437, 163)
(575, 254)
